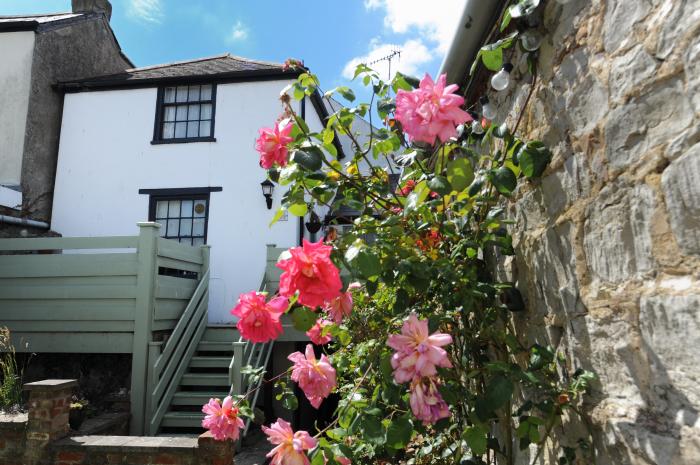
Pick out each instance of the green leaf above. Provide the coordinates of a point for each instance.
(298, 209)
(399, 432)
(504, 180)
(460, 174)
(476, 439)
(303, 318)
(492, 59)
(372, 430)
(533, 159)
(328, 136)
(498, 392)
(278, 214)
(440, 184)
(506, 20)
(309, 159)
(347, 93)
(367, 264)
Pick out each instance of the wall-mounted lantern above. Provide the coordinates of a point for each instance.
(267, 188)
(314, 223)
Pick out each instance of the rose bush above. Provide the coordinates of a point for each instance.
(421, 347)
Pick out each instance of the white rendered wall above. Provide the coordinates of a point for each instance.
(16, 50)
(105, 157)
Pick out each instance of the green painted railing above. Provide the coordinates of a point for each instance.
(100, 295)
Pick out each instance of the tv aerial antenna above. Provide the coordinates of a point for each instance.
(395, 53)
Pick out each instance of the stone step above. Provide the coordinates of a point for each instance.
(204, 379)
(196, 398)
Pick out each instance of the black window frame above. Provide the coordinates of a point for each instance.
(160, 111)
(154, 198)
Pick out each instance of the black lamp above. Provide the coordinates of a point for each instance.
(314, 223)
(267, 188)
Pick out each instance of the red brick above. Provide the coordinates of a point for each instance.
(71, 455)
(166, 459)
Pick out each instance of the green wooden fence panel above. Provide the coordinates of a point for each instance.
(65, 243)
(56, 265)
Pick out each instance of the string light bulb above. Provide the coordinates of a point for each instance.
(476, 127)
(530, 40)
(488, 110)
(501, 79)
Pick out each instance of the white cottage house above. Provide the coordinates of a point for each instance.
(174, 144)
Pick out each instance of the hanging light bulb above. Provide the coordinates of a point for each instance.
(530, 40)
(476, 127)
(488, 110)
(501, 79)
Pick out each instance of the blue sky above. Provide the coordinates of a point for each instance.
(329, 35)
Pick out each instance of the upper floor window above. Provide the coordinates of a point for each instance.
(185, 114)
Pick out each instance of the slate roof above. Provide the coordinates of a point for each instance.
(219, 67)
(33, 22)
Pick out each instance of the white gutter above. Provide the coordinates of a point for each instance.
(477, 19)
(23, 222)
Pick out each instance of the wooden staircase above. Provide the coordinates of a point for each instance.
(207, 376)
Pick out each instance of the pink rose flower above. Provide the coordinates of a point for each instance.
(426, 401)
(290, 445)
(417, 352)
(222, 419)
(432, 111)
(272, 144)
(259, 320)
(316, 332)
(315, 377)
(341, 306)
(311, 272)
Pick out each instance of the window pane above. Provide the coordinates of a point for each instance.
(206, 92)
(200, 208)
(161, 209)
(169, 114)
(169, 95)
(186, 227)
(193, 112)
(173, 227)
(182, 94)
(173, 208)
(194, 94)
(168, 130)
(197, 241)
(206, 111)
(180, 130)
(198, 227)
(186, 208)
(193, 129)
(161, 232)
(182, 112)
(205, 129)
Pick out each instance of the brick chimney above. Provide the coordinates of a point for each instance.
(92, 6)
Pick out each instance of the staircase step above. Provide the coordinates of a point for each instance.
(196, 398)
(204, 379)
(214, 346)
(221, 333)
(210, 362)
(182, 419)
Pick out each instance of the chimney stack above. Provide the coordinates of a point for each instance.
(92, 6)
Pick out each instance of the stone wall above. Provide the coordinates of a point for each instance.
(40, 438)
(608, 243)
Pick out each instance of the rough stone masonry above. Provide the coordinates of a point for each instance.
(608, 243)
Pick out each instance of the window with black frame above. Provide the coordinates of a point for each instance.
(185, 113)
(183, 218)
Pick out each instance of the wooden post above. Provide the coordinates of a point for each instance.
(206, 253)
(143, 319)
(234, 372)
(154, 351)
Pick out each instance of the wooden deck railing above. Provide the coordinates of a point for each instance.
(101, 295)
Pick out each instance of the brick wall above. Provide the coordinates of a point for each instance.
(41, 438)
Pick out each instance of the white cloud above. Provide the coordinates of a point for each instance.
(414, 54)
(435, 21)
(146, 10)
(238, 32)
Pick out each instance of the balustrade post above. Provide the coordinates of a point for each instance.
(143, 322)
